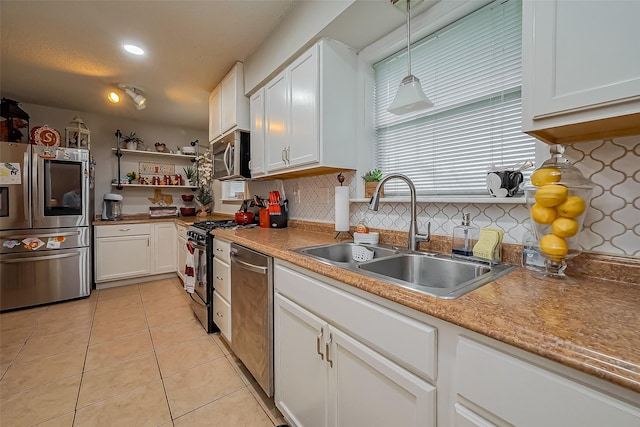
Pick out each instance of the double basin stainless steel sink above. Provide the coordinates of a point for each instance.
(434, 274)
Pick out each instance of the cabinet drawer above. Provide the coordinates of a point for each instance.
(221, 249)
(525, 395)
(222, 279)
(222, 315)
(122, 230)
(406, 341)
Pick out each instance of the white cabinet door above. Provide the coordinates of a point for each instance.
(228, 96)
(276, 138)
(215, 126)
(299, 364)
(366, 389)
(304, 85)
(256, 165)
(122, 257)
(164, 247)
(580, 65)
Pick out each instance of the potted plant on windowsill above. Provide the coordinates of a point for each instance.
(371, 180)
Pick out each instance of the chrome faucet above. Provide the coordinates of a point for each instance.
(414, 237)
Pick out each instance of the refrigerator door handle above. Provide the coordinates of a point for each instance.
(26, 187)
(37, 258)
(22, 236)
(35, 186)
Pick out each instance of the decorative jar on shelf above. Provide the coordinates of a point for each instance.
(558, 197)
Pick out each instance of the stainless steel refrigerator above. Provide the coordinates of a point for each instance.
(45, 210)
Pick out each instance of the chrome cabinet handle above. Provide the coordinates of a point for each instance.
(318, 344)
(327, 350)
(283, 156)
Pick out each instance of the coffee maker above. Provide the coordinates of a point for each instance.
(112, 207)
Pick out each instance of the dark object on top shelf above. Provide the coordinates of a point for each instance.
(13, 118)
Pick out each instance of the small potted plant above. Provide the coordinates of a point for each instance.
(371, 180)
(204, 197)
(190, 174)
(132, 142)
(133, 177)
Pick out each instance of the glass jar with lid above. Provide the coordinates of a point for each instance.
(558, 197)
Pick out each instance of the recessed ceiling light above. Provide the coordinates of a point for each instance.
(113, 97)
(136, 50)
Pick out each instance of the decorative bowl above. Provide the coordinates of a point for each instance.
(187, 211)
(187, 197)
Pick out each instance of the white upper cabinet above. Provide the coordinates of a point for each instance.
(256, 103)
(228, 106)
(276, 114)
(309, 113)
(215, 129)
(581, 69)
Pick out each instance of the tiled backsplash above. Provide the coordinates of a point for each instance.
(612, 225)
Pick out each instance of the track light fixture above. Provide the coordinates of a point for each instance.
(136, 95)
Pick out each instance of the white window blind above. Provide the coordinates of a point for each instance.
(471, 70)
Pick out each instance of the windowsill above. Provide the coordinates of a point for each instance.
(232, 201)
(518, 200)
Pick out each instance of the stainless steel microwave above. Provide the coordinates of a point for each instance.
(231, 156)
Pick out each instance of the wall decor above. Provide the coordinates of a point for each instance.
(147, 168)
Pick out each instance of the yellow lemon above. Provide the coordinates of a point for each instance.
(564, 227)
(545, 176)
(573, 207)
(543, 215)
(551, 195)
(554, 247)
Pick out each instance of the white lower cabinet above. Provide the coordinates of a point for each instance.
(222, 286)
(523, 394)
(122, 251)
(127, 251)
(326, 376)
(346, 358)
(300, 370)
(164, 238)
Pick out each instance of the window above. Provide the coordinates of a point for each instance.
(471, 70)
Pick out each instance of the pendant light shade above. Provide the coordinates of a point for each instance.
(410, 96)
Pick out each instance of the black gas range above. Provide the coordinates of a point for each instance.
(201, 241)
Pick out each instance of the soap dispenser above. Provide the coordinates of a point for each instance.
(465, 237)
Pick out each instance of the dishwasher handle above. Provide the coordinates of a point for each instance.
(247, 266)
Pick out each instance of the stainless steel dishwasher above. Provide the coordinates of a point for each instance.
(252, 313)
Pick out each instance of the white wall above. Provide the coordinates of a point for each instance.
(298, 31)
(103, 139)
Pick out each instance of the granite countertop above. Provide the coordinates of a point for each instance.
(592, 326)
(145, 218)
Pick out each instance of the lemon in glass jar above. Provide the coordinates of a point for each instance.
(542, 214)
(564, 227)
(554, 247)
(572, 207)
(544, 176)
(551, 195)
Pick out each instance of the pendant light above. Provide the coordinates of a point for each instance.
(410, 97)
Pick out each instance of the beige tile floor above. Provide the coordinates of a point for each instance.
(127, 356)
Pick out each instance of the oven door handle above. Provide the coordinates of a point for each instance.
(251, 267)
(197, 246)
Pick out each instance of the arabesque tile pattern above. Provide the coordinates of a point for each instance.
(128, 356)
(611, 225)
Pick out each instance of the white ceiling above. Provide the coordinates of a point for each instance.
(67, 54)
